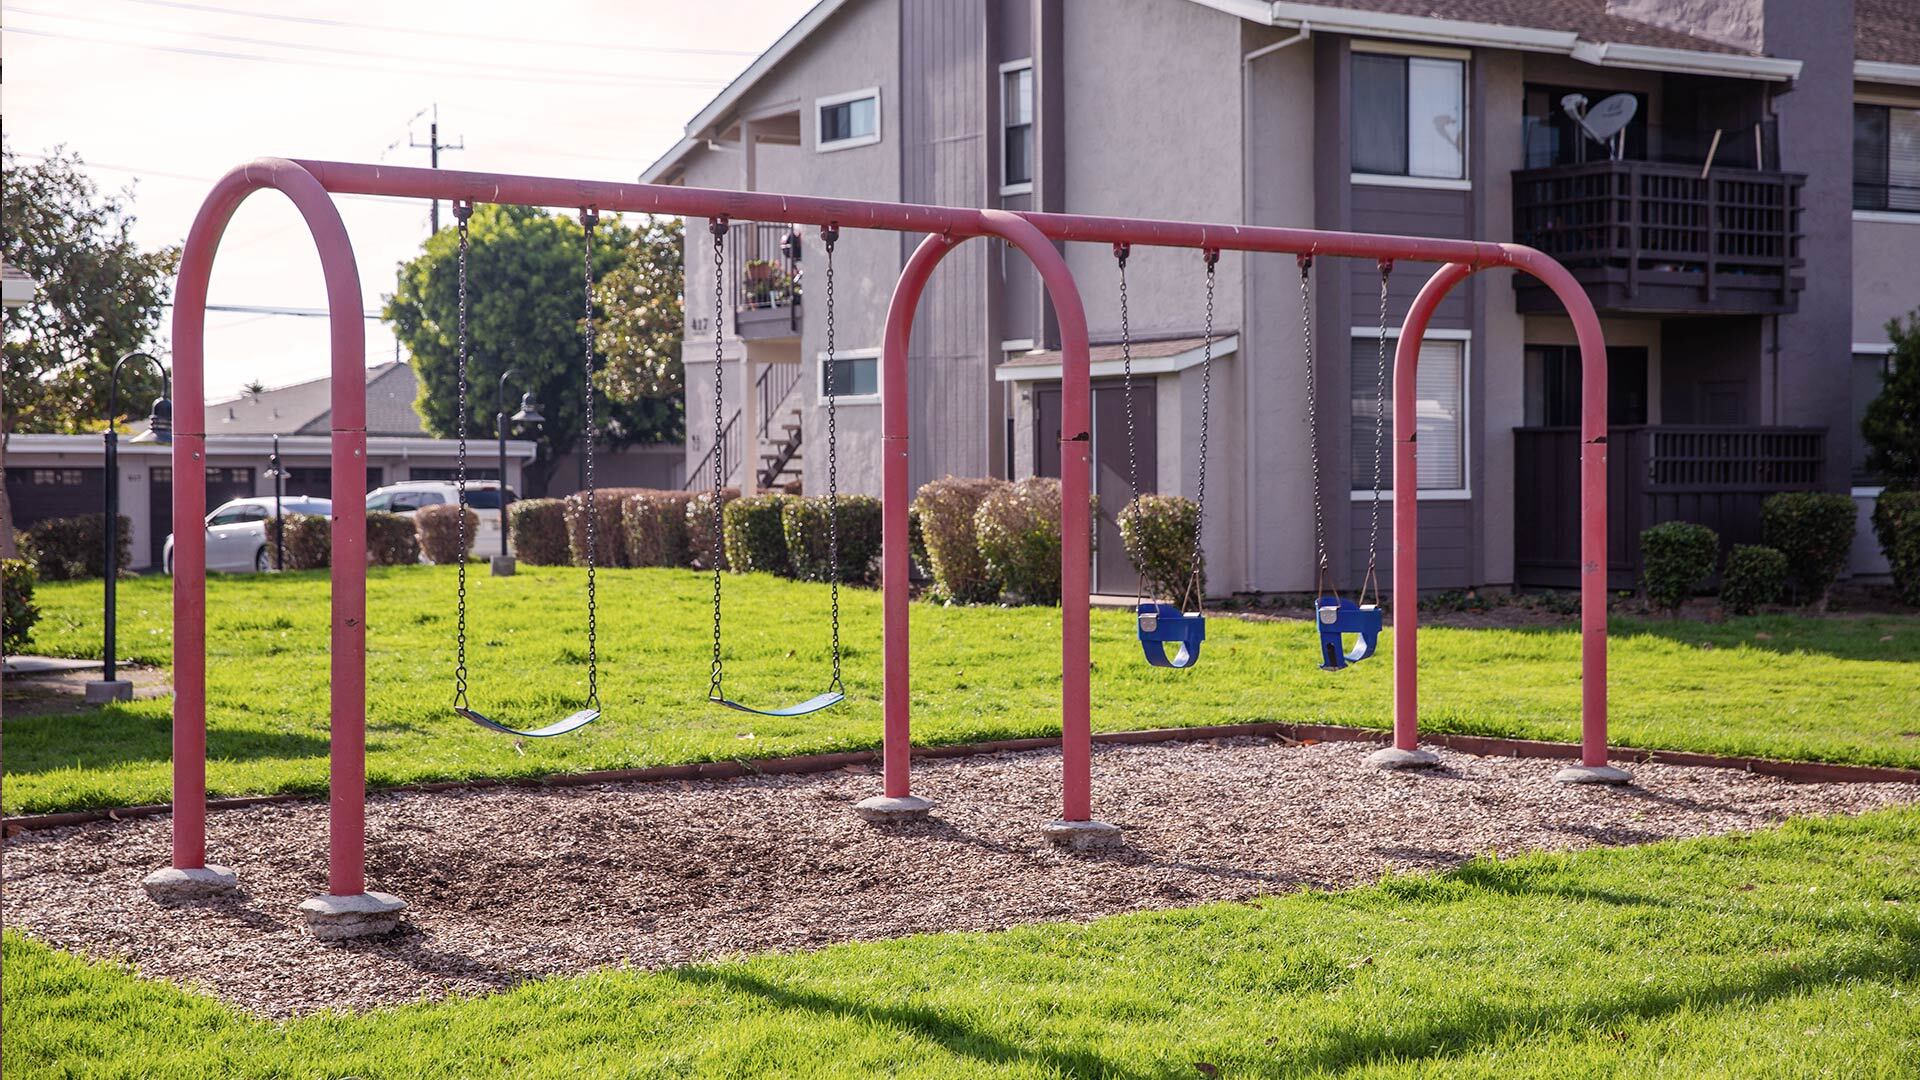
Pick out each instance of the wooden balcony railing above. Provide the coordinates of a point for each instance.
(1650, 237)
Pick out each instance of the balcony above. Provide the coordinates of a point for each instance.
(1650, 238)
(1715, 476)
(763, 280)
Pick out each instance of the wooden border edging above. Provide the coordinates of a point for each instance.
(1477, 745)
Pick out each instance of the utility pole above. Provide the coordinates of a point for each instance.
(433, 146)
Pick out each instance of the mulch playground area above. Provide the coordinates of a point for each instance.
(509, 884)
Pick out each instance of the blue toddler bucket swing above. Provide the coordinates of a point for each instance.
(1163, 626)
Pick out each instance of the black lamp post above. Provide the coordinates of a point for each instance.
(159, 430)
(279, 476)
(528, 415)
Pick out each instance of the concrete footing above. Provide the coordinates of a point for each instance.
(503, 565)
(891, 809)
(101, 691)
(1592, 774)
(339, 918)
(173, 885)
(1393, 758)
(1083, 835)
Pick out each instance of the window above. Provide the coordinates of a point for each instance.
(1442, 413)
(1409, 116)
(1016, 127)
(856, 375)
(235, 515)
(1553, 385)
(1886, 158)
(847, 120)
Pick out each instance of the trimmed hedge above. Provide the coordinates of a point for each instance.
(539, 531)
(756, 538)
(439, 528)
(656, 528)
(1677, 556)
(1755, 575)
(71, 548)
(947, 508)
(1814, 530)
(18, 612)
(309, 541)
(700, 537)
(1019, 530)
(391, 540)
(805, 521)
(919, 567)
(1896, 523)
(1158, 532)
(610, 529)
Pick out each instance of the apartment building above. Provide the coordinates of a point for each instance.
(1744, 234)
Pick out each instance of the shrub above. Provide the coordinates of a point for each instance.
(1755, 575)
(756, 539)
(610, 531)
(806, 521)
(391, 540)
(1896, 522)
(1814, 530)
(655, 523)
(700, 535)
(70, 548)
(1677, 556)
(439, 528)
(539, 531)
(1019, 530)
(17, 579)
(1157, 532)
(919, 567)
(947, 508)
(1891, 424)
(309, 541)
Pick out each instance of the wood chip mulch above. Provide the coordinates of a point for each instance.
(507, 885)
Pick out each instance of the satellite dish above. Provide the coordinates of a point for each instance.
(1606, 119)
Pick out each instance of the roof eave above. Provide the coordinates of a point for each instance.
(1884, 71)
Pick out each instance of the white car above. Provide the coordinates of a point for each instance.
(237, 531)
(484, 498)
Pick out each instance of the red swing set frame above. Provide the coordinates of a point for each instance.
(311, 185)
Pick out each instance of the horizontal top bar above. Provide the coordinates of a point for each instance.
(351, 179)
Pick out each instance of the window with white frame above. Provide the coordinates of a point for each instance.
(847, 120)
(856, 375)
(1440, 405)
(1409, 116)
(1016, 127)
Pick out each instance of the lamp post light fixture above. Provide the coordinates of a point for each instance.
(279, 477)
(109, 687)
(528, 416)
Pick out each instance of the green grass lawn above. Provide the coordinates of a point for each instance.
(1843, 689)
(1794, 952)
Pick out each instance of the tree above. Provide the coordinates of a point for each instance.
(644, 320)
(1891, 425)
(524, 282)
(100, 297)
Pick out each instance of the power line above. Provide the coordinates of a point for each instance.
(139, 173)
(437, 32)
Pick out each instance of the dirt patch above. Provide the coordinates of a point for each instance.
(64, 693)
(508, 885)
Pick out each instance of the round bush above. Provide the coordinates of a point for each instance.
(1677, 556)
(19, 612)
(946, 511)
(539, 531)
(1896, 524)
(609, 530)
(391, 540)
(71, 548)
(439, 528)
(805, 522)
(1019, 530)
(1755, 575)
(701, 537)
(1814, 530)
(309, 541)
(655, 523)
(756, 538)
(1158, 532)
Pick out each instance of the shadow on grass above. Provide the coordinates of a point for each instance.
(113, 737)
(954, 1035)
(1788, 635)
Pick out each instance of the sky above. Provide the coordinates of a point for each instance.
(164, 96)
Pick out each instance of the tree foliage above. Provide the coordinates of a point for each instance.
(644, 320)
(1891, 425)
(524, 287)
(99, 296)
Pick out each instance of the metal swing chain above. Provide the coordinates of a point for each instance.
(1313, 424)
(589, 218)
(718, 226)
(1379, 440)
(461, 211)
(1206, 403)
(830, 235)
(1120, 254)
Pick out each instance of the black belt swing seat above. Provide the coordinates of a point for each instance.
(582, 717)
(836, 691)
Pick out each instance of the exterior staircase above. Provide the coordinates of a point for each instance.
(777, 443)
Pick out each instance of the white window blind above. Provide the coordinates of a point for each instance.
(1441, 408)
